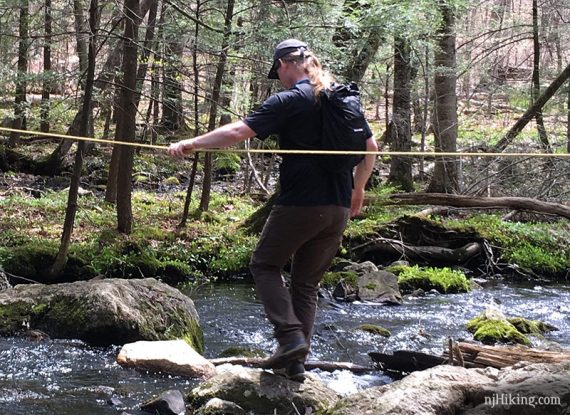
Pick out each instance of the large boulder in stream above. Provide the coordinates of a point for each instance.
(262, 392)
(102, 312)
(523, 389)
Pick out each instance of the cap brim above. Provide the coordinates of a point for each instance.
(273, 71)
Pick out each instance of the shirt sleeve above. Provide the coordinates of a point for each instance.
(268, 118)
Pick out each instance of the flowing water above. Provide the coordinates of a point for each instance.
(69, 378)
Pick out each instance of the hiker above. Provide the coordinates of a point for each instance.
(312, 209)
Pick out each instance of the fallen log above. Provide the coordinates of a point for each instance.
(443, 199)
(501, 356)
(434, 253)
(404, 361)
(309, 365)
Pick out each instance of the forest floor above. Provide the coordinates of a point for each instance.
(214, 244)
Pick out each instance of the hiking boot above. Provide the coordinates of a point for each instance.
(295, 350)
(295, 371)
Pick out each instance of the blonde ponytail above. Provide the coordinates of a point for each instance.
(318, 77)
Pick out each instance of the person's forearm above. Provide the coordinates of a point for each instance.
(364, 168)
(223, 136)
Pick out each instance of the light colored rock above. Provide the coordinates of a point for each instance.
(437, 391)
(173, 357)
(167, 403)
(379, 286)
(102, 312)
(362, 268)
(262, 392)
(219, 407)
(450, 390)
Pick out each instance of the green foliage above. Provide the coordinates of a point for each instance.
(444, 280)
(331, 279)
(373, 329)
(227, 162)
(538, 247)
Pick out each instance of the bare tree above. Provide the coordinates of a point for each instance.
(216, 92)
(47, 81)
(401, 130)
(21, 83)
(71, 209)
(445, 174)
(127, 111)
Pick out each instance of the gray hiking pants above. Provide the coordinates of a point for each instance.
(312, 236)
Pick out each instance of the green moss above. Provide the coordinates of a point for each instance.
(444, 280)
(538, 247)
(171, 181)
(535, 327)
(331, 279)
(14, 317)
(373, 329)
(236, 351)
(371, 286)
(498, 331)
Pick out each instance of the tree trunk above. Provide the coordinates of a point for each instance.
(445, 175)
(21, 83)
(47, 80)
(536, 79)
(195, 69)
(172, 118)
(220, 69)
(568, 121)
(54, 161)
(148, 47)
(530, 113)
(71, 209)
(127, 115)
(81, 38)
(357, 60)
(401, 132)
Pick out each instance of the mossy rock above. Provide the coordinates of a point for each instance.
(171, 181)
(238, 351)
(491, 331)
(444, 280)
(373, 329)
(331, 279)
(102, 312)
(535, 327)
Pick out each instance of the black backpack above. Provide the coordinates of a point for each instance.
(344, 126)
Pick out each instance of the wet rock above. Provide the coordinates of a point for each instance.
(4, 283)
(114, 401)
(524, 389)
(173, 357)
(418, 293)
(263, 392)
(362, 268)
(373, 329)
(379, 286)
(452, 389)
(167, 403)
(102, 312)
(436, 391)
(219, 407)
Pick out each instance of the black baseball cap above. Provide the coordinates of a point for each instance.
(282, 49)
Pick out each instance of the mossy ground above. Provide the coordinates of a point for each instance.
(212, 244)
(444, 280)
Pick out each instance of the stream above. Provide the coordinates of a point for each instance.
(66, 377)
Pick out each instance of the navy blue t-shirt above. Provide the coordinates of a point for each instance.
(294, 115)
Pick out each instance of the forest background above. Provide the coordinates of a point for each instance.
(435, 75)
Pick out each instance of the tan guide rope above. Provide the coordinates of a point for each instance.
(279, 151)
